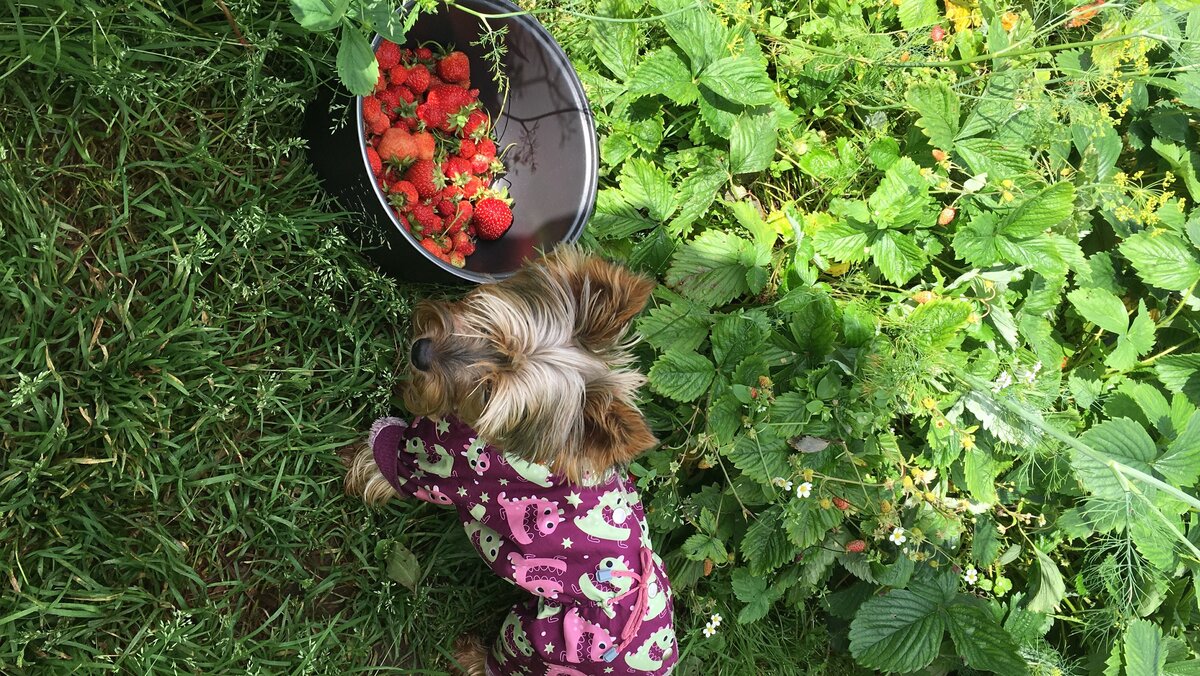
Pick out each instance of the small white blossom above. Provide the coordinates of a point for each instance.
(898, 537)
(709, 630)
(971, 576)
(785, 484)
(928, 476)
(1002, 381)
(978, 507)
(715, 620)
(804, 490)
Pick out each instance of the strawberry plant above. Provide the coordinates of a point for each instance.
(924, 356)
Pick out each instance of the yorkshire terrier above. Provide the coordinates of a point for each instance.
(524, 393)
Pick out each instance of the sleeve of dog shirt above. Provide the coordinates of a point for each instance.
(420, 460)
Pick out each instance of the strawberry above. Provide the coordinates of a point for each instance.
(423, 53)
(451, 192)
(856, 546)
(454, 67)
(406, 95)
(399, 146)
(388, 54)
(492, 218)
(418, 79)
(448, 107)
(381, 83)
(377, 122)
(374, 161)
(460, 217)
(403, 221)
(457, 259)
(390, 98)
(473, 187)
(463, 242)
(486, 147)
(841, 503)
(397, 75)
(445, 207)
(947, 215)
(426, 219)
(404, 194)
(476, 125)
(455, 167)
(466, 148)
(432, 247)
(424, 176)
(937, 34)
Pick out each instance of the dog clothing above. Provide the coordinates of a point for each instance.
(602, 602)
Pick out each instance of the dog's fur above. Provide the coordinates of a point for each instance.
(538, 365)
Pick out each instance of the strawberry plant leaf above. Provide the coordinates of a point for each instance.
(645, 186)
(698, 190)
(390, 24)
(617, 46)
(902, 196)
(356, 64)
(898, 257)
(1049, 587)
(752, 142)
(938, 113)
(845, 239)
(680, 325)
(737, 336)
(702, 546)
(663, 72)
(902, 630)
(981, 641)
(1180, 373)
(740, 80)
(320, 15)
(980, 470)
(682, 375)
(1162, 259)
(753, 591)
(1101, 308)
(1138, 340)
(615, 218)
(698, 33)
(998, 160)
(807, 523)
(761, 456)
(1145, 651)
(977, 242)
(1181, 162)
(711, 268)
(1043, 211)
(1181, 463)
(765, 544)
(403, 567)
(915, 14)
(1120, 440)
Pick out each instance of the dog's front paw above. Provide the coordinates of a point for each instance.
(364, 480)
(471, 655)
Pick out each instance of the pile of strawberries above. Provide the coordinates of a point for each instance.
(430, 147)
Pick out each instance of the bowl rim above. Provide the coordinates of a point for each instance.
(578, 95)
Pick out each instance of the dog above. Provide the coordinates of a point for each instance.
(524, 393)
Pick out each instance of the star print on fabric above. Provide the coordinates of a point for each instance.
(418, 474)
(549, 648)
(442, 427)
(575, 499)
(462, 492)
(503, 482)
(483, 497)
(608, 670)
(567, 543)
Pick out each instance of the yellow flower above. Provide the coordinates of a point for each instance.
(1009, 21)
(968, 441)
(929, 403)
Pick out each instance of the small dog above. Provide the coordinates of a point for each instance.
(524, 393)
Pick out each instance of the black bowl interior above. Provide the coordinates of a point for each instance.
(544, 128)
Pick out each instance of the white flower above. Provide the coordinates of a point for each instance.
(978, 507)
(804, 490)
(785, 484)
(898, 537)
(715, 620)
(971, 576)
(975, 183)
(709, 630)
(1002, 381)
(1030, 376)
(928, 476)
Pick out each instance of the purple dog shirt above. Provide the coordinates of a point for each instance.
(602, 603)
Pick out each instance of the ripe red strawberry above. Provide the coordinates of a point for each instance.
(388, 54)
(492, 218)
(377, 122)
(463, 243)
(399, 146)
(382, 82)
(454, 67)
(451, 192)
(397, 75)
(423, 53)
(432, 247)
(856, 546)
(403, 221)
(424, 176)
(406, 95)
(390, 98)
(472, 188)
(374, 161)
(841, 503)
(486, 147)
(476, 125)
(424, 217)
(456, 167)
(466, 148)
(460, 217)
(457, 259)
(445, 207)
(404, 194)
(418, 79)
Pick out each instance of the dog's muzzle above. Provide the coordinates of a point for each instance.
(422, 354)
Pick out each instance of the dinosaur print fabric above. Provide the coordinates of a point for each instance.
(600, 602)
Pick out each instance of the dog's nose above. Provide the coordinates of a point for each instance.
(422, 354)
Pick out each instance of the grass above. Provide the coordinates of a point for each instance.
(189, 340)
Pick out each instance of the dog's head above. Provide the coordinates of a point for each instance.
(538, 363)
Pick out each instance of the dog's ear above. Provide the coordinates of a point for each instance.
(614, 434)
(607, 296)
